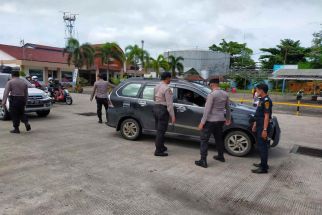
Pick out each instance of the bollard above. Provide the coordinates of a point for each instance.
(298, 108)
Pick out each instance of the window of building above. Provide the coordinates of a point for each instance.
(131, 90)
(67, 76)
(38, 73)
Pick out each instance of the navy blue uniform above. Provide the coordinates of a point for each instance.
(264, 106)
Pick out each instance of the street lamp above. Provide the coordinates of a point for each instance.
(142, 42)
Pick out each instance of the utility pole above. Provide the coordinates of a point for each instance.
(142, 43)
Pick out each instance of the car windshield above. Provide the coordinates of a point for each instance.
(5, 78)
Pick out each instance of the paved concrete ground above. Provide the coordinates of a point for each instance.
(69, 164)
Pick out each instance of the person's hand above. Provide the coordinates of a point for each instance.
(200, 126)
(173, 120)
(254, 128)
(228, 122)
(91, 99)
(264, 135)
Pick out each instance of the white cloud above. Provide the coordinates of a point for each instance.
(8, 8)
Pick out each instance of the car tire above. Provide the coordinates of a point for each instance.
(130, 129)
(69, 100)
(4, 114)
(238, 143)
(44, 113)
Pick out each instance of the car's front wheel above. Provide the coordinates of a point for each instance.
(130, 129)
(238, 143)
(4, 114)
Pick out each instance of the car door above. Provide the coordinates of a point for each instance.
(188, 113)
(145, 105)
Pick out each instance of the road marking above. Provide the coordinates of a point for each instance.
(281, 103)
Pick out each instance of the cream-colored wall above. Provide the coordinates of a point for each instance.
(5, 56)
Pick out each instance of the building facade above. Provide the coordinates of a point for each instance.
(38, 60)
(205, 62)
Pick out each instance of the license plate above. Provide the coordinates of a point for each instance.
(34, 102)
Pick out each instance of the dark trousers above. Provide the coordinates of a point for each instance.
(17, 110)
(263, 146)
(161, 116)
(100, 103)
(215, 128)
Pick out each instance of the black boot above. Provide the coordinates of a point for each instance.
(28, 127)
(15, 131)
(219, 158)
(202, 162)
(100, 121)
(259, 171)
(258, 165)
(160, 154)
(164, 149)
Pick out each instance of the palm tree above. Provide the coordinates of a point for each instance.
(79, 55)
(109, 51)
(135, 55)
(158, 63)
(176, 65)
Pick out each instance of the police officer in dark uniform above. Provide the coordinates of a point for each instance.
(17, 92)
(262, 127)
(162, 110)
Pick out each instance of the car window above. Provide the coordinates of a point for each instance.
(148, 93)
(131, 90)
(190, 97)
(3, 80)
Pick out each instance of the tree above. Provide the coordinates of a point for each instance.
(158, 63)
(176, 65)
(240, 54)
(287, 52)
(315, 54)
(79, 55)
(136, 56)
(109, 51)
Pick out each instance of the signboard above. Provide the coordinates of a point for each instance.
(75, 75)
(278, 67)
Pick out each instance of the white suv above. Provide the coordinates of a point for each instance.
(38, 100)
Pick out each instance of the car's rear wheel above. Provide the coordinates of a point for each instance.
(130, 129)
(238, 143)
(4, 114)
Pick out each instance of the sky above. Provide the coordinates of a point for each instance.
(164, 25)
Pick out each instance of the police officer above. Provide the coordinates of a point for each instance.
(261, 127)
(101, 91)
(212, 122)
(163, 110)
(18, 91)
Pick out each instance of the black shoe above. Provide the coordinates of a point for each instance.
(221, 159)
(100, 121)
(15, 131)
(160, 154)
(258, 165)
(202, 163)
(259, 171)
(164, 149)
(28, 127)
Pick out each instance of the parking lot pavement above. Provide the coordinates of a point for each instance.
(70, 164)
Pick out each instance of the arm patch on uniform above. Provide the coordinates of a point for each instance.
(267, 105)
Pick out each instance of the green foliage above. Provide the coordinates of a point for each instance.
(224, 85)
(176, 65)
(239, 52)
(109, 51)
(287, 52)
(116, 81)
(315, 54)
(136, 56)
(82, 81)
(79, 55)
(241, 81)
(158, 63)
(22, 73)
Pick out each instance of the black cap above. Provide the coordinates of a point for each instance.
(263, 87)
(165, 75)
(214, 81)
(15, 74)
